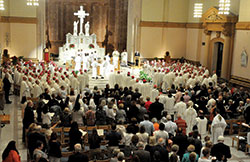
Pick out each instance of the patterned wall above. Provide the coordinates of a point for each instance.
(108, 20)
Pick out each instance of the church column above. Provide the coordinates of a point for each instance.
(40, 29)
(208, 38)
(225, 56)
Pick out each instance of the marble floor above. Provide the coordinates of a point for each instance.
(13, 131)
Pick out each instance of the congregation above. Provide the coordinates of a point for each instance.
(169, 122)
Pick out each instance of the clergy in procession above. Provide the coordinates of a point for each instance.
(75, 84)
(180, 108)
(37, 89)
(218, 127)
(190, 117)
(24, 89)
(81, 79)
(116, 56)
(124, 58)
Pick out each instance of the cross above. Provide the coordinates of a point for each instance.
(81, 15)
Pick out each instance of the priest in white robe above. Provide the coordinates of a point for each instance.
(116, 56)
(24, 89)
(124, 58)
(202, 125)
(75, 84)
(37, 89)
(180, 108)
(218, 127)
(190, 117)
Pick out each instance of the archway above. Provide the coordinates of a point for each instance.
(219, 28)
(216, 55)
(217, 58)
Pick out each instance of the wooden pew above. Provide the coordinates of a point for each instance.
(5, 119)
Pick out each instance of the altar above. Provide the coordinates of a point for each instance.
(81, 45)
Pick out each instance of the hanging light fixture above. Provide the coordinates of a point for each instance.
(2, 5)
(32, 2)
(224, 7)
(198, 7)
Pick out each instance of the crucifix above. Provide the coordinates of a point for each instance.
(81, 15)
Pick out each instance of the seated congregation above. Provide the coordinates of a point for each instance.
(118, 124)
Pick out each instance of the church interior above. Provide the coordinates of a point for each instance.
(138, 44)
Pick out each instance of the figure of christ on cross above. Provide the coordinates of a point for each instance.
(81, 15)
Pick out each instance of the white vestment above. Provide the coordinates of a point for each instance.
(217, 128)
(116, 55)
(170, 105)
(180, 108)
(78, 61)
(190, 118)
(36, 91)
(214, 78)
(75, 84)
(202, 126)
(94, 69)
(24, 90)
(124, 58)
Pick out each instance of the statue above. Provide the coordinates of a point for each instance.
(87, 29)
(81, 14)
(75, 27)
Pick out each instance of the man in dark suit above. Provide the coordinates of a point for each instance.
(155, 109)
(28, 117)
(220, 150)
(6, 88)
(142, 154)
(78, 156)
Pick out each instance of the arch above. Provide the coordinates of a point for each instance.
(211, 48)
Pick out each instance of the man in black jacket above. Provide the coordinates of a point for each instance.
(78, 156)
(155, 109)
(6, 88)
(28, 117)
(220, 150)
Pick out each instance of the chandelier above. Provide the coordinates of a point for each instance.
(32, 2)
(2, 5)
(224, 7)
(198, 10)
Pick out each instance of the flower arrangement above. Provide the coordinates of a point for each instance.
(91, 46)
(144, 76)
(71, 46)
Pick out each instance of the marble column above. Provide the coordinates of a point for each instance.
(208, 38)
(40, 30)
(225, 57)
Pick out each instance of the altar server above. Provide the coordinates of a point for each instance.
(94, 69)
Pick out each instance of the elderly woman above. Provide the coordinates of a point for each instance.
(190, 149)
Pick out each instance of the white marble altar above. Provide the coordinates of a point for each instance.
(83, 44)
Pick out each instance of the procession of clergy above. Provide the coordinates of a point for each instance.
(33, 78)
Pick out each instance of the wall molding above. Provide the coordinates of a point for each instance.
(170, 24)
(243, 26)
(25, 20)
(240, 81)
(239, 25)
